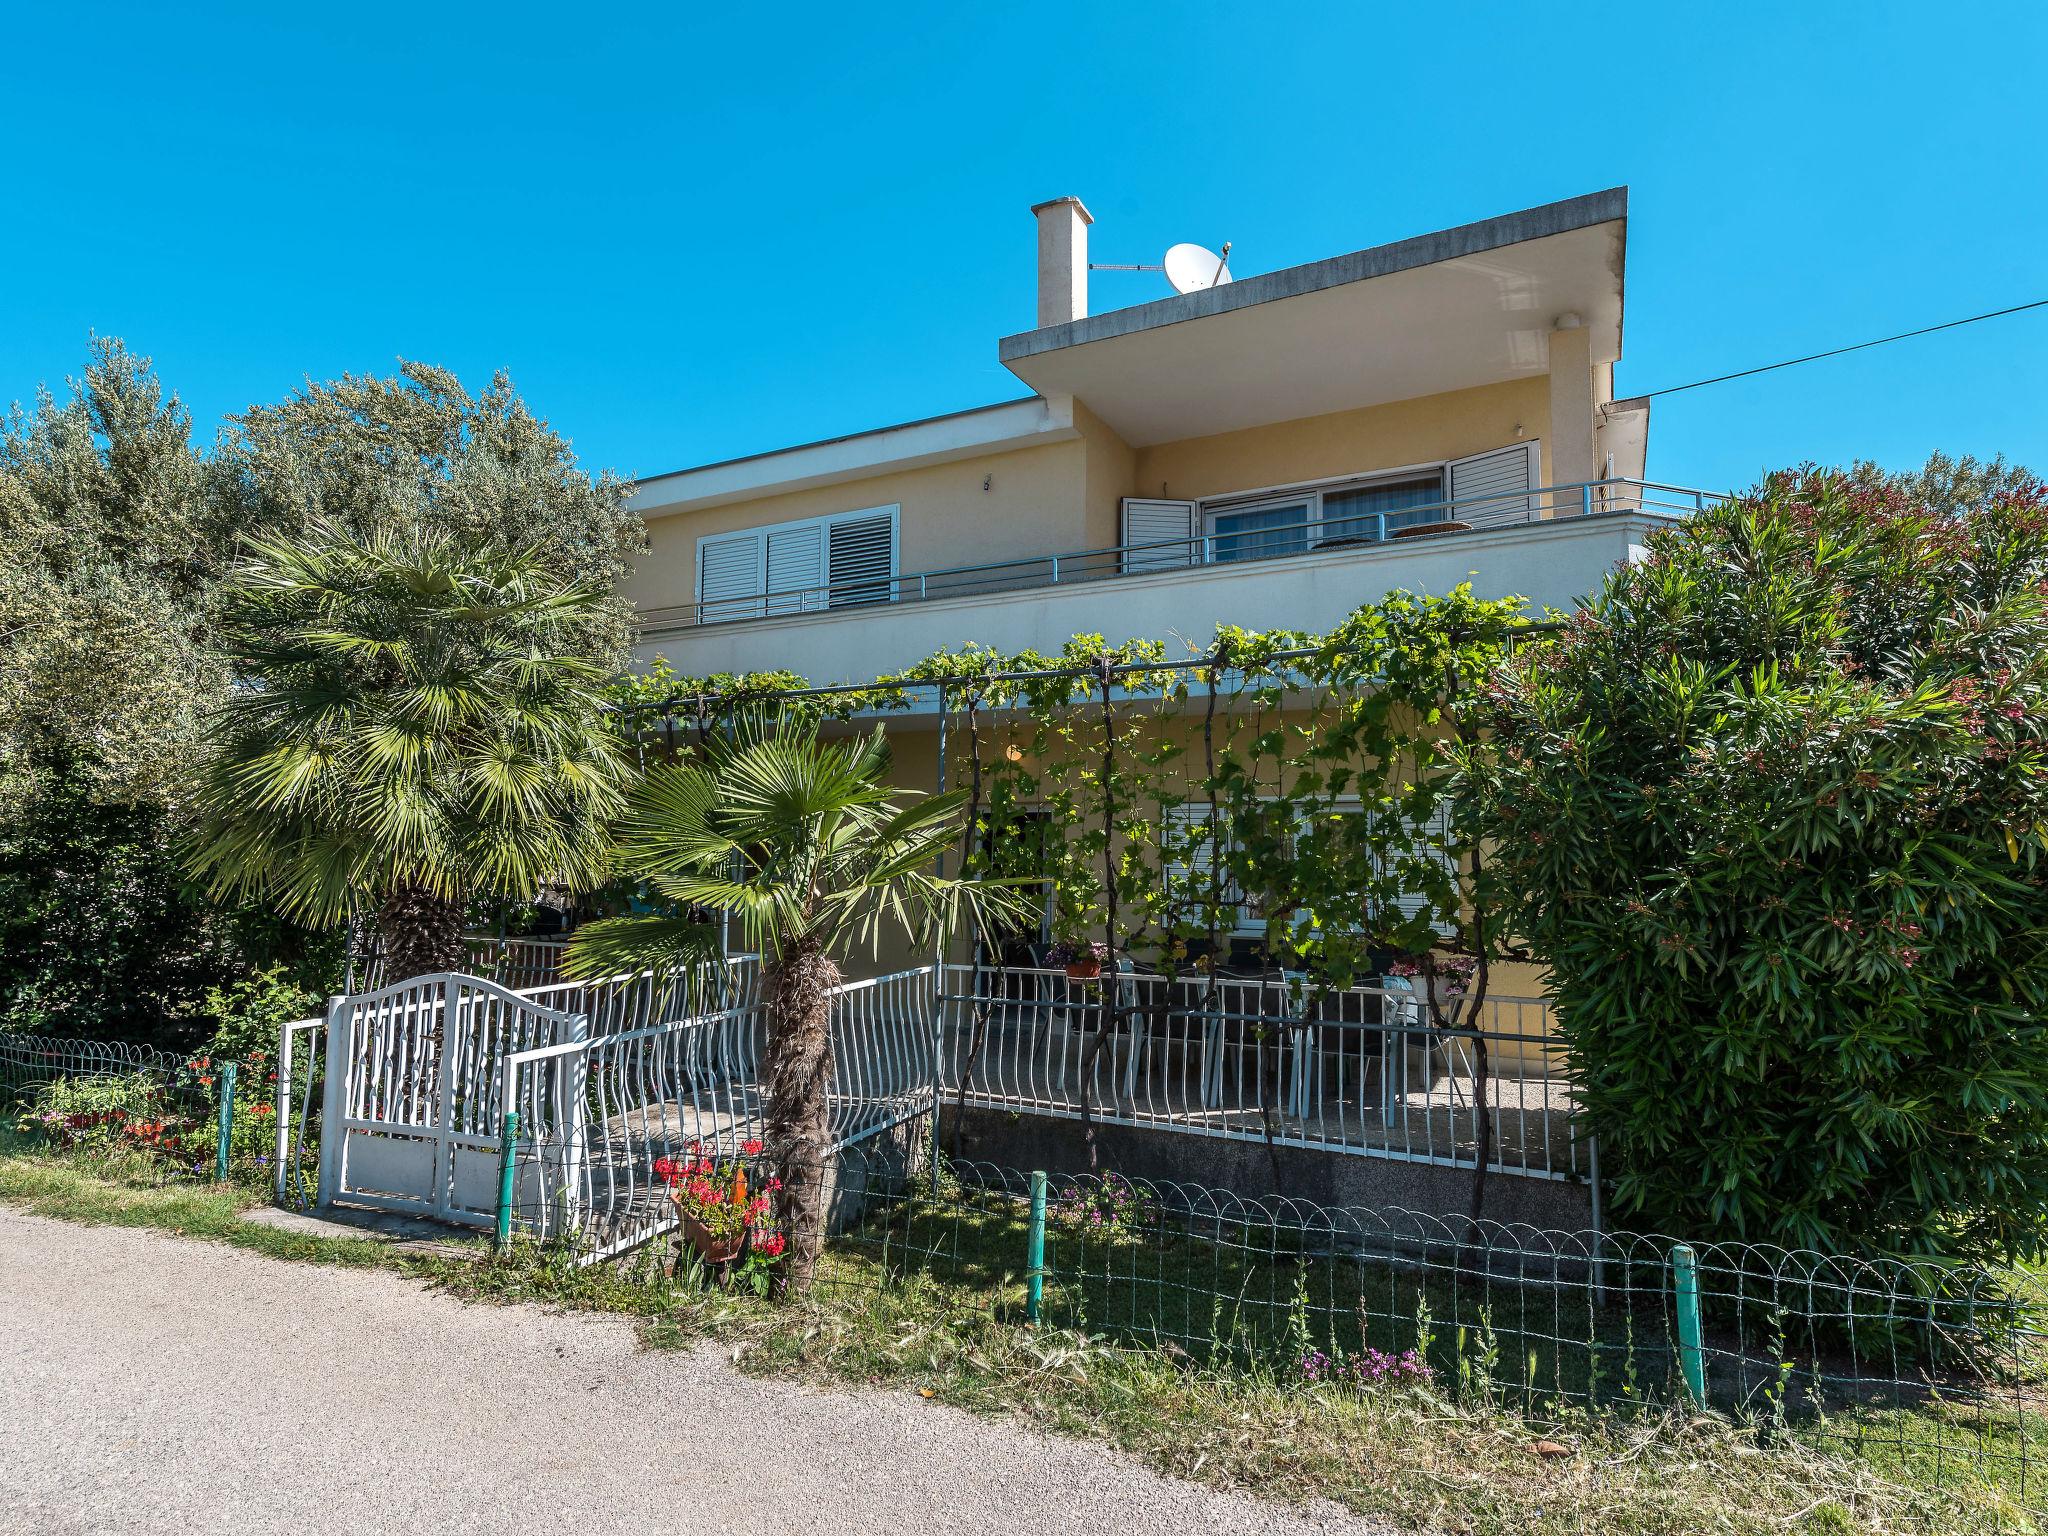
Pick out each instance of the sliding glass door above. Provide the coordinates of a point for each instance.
(1262, 531)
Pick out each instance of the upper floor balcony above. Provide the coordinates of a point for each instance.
(1298, 560)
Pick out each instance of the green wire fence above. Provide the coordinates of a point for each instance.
(163, 1117)
(1940, 1371)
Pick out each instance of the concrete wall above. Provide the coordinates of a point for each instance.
(1109, 476)
(1247, 1168)
(1548, 563)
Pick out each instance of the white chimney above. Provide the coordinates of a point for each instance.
(1062, 260)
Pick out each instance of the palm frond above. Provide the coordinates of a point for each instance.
(668, 946)
(415, 708)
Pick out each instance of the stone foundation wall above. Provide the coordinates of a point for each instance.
(1251, 1169)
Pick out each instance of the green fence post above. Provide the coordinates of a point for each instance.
(1692, 1359)
(1034, 1251)
(506, 1151)
(227, 1121)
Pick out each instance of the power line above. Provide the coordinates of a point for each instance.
(1925, 330)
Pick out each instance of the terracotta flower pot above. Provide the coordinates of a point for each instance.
(1083, 970)
(712, 1250)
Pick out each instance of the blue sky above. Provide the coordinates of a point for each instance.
(689, 238)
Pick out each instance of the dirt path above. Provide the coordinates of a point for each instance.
(149, 1383)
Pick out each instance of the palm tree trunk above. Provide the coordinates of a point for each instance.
(799, 1075)
(421, 933)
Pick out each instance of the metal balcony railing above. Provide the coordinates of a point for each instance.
(1296, 540)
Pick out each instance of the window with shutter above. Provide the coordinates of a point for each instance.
(863, 554)
(1187, 850)
(1432, 841)
(1493, 488)
(1169, 525)
(729, 577)
(1187, 856)
(796, 568)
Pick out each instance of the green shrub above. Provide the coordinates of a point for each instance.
(164, 1123)
(1773, 812)
(248, 1013)
(103, 936)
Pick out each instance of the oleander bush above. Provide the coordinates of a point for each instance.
(1773, 811)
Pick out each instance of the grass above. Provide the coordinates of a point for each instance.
(927, 1299)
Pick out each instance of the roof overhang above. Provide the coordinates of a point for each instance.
(962, 435)
(1467, 306)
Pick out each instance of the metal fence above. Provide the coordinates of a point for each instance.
(163, 1116)
(665, 1068)
(515, 963)
(657, 1066)
(1933, 1374)
(617, 1004)
(1359, 1070)
(28, 1060)
(594, 1115)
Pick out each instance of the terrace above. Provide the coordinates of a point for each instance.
(1302, 565)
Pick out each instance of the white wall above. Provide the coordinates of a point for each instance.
(1553, 563)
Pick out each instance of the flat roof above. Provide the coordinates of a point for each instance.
(1459, 309)
(1151, 387)
(986, 429)
(1495, 234)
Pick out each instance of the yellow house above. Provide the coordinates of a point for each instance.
(1268, 451)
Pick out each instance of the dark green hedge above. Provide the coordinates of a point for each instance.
(103, 936)
(1773, 812)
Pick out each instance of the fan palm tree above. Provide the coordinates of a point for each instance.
(812, 852)
(415, 722)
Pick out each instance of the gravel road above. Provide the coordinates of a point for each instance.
(150, 1383)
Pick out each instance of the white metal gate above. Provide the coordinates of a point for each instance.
(413, 1117)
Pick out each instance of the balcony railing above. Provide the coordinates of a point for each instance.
(1287, 541)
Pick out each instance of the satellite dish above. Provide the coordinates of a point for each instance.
(1191, 268)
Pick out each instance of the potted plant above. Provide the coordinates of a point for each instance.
(1082, 957)
(717, 1211)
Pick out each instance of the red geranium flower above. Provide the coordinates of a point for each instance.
(750, 1148)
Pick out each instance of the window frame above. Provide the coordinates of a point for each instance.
(810, 599)
(1313, 492)
(1249, 920)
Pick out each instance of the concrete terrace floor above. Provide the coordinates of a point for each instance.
(152, 1383)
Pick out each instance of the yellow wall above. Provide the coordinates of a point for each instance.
(1053, 498)
(1434, 427)
(1035, 504)
(1110, 477)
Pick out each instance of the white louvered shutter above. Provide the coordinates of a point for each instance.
(863, 556)
(1493, 488)
(796, 568)
(729, 577)
(1188, 855)
(1148, 521)
(1435, 838)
